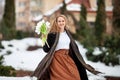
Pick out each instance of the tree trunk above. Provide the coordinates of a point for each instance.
(7, 24)
(116, 16)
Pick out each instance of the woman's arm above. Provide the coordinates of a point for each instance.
(50, 39)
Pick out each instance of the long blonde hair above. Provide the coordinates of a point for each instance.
(54, 26)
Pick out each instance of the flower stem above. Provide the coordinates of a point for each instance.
(47, 44)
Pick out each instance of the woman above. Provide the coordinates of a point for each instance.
(63, 61)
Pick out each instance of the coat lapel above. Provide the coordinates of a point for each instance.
(79, 57)
(42, 70)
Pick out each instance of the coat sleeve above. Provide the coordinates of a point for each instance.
(80, 58)
(50, 39)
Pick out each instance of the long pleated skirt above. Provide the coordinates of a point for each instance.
(63, 67)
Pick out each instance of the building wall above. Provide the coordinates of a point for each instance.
(50, 4)
(91, 16)
(36, 7)
(108, 3)
(26, 10)
(93, 3)
(22, 14)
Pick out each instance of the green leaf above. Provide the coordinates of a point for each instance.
(43, 29)
(43, 40)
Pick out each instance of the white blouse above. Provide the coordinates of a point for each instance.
(63, 42)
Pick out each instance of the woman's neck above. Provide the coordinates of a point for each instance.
(62, 30)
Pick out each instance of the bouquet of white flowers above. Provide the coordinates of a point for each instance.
(42, 28)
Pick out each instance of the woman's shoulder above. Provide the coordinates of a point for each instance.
(52, 34)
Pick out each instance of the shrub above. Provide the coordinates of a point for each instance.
(7, 71)
(22, 34)
(1, 59)
(8, 52)
(1, 46)
(110, 55)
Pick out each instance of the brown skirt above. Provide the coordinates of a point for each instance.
(63, 67)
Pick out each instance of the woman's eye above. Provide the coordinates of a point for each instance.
(63, 21)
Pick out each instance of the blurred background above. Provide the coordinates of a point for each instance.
(95, 24)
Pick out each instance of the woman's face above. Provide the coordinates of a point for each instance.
(61, 22)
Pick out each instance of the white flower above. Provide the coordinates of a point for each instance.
(37, 30)
(48, 24)
(42, 28)
(39, 24)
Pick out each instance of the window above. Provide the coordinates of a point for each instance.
(35, 13)
(36, 3)
(92, 24)
(22, 24)
(21, 14)
(22, 4)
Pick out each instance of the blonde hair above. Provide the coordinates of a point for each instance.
(54, 26)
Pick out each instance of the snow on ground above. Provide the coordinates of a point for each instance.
(18, 78)
(28, 60)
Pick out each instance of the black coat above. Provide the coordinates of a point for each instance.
(43, 69)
